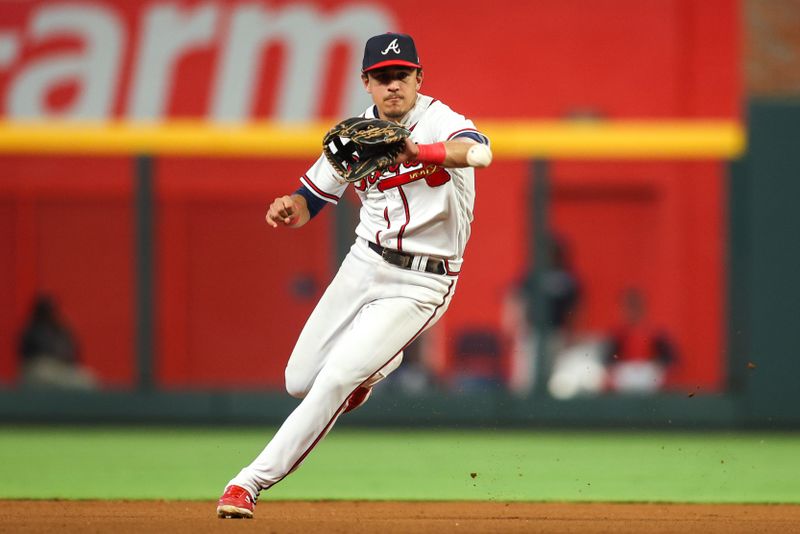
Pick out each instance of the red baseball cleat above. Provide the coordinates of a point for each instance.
(235, 503)
(357, 398)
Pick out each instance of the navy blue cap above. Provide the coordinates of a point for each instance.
(390, 49)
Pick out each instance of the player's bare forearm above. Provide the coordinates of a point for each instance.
(288, 210)
(456, 153)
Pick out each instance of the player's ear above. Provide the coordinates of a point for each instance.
(419, 78)
(365, 80)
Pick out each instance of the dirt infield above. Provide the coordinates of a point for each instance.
(121, 517)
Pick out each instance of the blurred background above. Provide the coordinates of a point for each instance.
(138, 282)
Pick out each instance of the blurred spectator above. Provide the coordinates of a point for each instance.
(561, 292)
(637, 355)
(49, 352)
(578, 371)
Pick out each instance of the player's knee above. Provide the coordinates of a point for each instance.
(296, 390)
(297, 383)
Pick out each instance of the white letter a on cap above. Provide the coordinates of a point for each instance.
(393, 46)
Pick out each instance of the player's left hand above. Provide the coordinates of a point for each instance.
(409, 153)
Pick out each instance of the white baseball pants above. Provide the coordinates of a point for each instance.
(356, 334)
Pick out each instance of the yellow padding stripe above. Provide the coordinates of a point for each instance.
(622, 139)
(510, 139)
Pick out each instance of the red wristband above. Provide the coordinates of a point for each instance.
(433, 153)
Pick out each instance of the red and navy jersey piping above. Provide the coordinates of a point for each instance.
(408, 218)
(317, 191)
(470, 133)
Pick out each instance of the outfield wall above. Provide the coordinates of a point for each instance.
(69, 221)
(712, 250)
(763, 294)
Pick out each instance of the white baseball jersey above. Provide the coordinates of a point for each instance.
(421, 209)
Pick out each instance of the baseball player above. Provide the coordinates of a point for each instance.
(400, 274)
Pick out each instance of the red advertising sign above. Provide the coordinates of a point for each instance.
(296, 61)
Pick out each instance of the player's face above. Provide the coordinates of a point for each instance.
(393, 90)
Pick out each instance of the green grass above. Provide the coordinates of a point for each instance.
(190, 463)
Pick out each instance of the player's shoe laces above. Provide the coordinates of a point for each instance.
(235, 503)
(357, 398)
